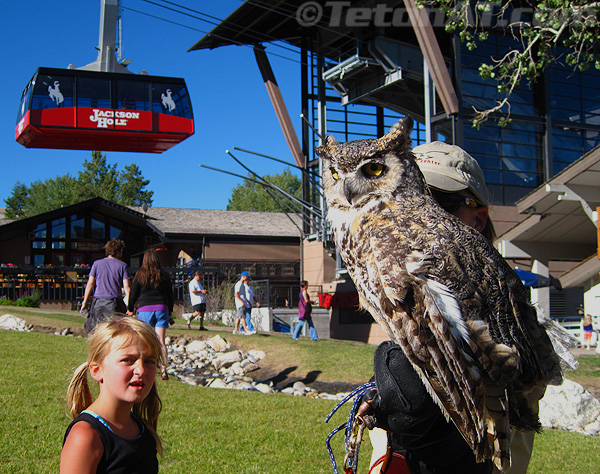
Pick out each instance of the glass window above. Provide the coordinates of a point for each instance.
(97, 228)
(40, 231)
(38, 244)
(58, 245)
(51, 92)
(133, 95)
(25, 101)
(93, 92)
(115, 232)
(77, 227)
(171, 99)
(59, 228)
(38, 260)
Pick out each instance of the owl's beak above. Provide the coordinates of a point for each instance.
(348, 192)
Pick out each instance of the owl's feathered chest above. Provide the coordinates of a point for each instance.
(397, 241)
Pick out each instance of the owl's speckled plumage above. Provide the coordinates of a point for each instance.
(439, 289)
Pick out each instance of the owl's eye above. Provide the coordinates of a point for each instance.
(334, 174)
(373, 170)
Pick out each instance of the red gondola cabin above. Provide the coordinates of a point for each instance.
(87, 110)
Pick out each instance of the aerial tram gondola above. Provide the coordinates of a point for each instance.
(103, 106)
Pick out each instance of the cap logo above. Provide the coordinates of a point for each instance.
(431, 162)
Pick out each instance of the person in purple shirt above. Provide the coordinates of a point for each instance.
(107, 280)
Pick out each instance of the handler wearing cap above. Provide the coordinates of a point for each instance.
(416, 432)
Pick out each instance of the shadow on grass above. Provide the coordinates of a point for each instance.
(281, 376)
(311, 377)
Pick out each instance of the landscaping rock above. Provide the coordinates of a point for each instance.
(227, 359)
(218, 343)
(568, 407)
(10, 322)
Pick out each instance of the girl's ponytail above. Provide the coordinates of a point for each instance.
(79, 396)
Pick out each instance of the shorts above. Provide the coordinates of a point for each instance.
(240, 313)
(159, 319)
(199, 308)
(587, 336)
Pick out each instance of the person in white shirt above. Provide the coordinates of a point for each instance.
(241, 303)
(198, 300)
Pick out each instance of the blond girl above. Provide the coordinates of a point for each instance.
(116, 432)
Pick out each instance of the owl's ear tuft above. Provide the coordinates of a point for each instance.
(325, 150)
(331, 142)
(398, 138)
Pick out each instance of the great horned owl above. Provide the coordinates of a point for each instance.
(440, 290)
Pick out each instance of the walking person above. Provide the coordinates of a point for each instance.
(152, 290)
(108, 278)
(251, 299)
(304, 313)
(241, 303)
(198, 300)
(116, 432)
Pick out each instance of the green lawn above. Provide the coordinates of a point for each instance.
(211, 430)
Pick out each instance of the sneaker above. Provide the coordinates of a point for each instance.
(203, 329)
(235, 332)
(250, 333)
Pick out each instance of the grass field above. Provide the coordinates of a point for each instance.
(217, 431)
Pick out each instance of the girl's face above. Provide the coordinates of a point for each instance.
(128, 371)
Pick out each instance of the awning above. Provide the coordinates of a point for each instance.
(563, 220)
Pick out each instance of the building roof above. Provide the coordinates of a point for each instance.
(179, 223)
(265, 21)
(562, 222)
(172, 221)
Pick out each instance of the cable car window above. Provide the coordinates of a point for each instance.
(93, 92)
(25, 99)
(52, 91)
(133, 95)
(171, 99)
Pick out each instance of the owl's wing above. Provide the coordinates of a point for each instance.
(425, 319)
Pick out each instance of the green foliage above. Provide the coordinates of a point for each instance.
(27, 301)
(251, 196)
(97, 179)
(16, 201)
(566, 30)
(220, 297)
(130, 187)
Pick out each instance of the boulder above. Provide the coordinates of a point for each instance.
(8, 321)
(196, 346)
(218, 343)
(227, 359)
(568, 407)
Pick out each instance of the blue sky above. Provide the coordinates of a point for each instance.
(230, 101)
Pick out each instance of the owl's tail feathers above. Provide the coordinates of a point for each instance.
(498, 425)
(453, 375)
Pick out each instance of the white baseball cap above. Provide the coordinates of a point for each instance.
(450, 168)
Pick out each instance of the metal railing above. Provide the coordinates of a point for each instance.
(68, 284)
